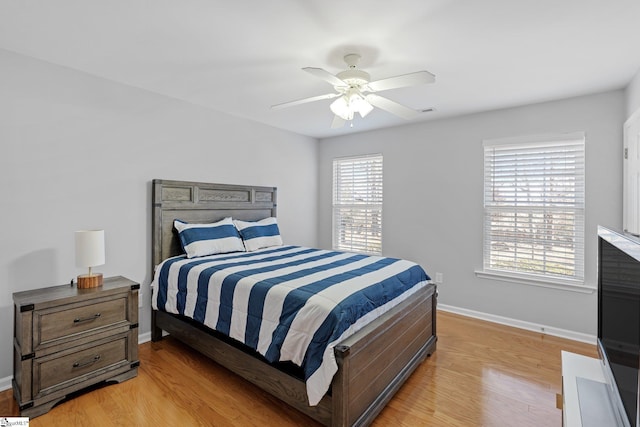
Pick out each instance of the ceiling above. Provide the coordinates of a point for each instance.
(241, 57)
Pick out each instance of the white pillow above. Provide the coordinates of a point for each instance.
(259, 234)
(209, 239)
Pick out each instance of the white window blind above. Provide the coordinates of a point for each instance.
(534, 206)
(357, 204)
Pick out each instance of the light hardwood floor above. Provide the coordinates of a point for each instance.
(482, 374)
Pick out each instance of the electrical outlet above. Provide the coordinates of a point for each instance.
(140, 298)
(439, 278)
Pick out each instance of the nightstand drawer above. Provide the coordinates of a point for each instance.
(58, 369)
(61, 322)
(67, 339)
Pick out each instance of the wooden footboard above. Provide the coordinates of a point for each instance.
(372, 364)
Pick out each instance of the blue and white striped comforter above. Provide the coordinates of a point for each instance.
(288, 303)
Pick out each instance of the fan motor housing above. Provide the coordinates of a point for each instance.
(354, 77)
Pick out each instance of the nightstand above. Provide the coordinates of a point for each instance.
(67, 339)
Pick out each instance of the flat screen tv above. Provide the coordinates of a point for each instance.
(619, 320)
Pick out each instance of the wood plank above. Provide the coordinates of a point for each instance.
(482, 374)
(291, 390)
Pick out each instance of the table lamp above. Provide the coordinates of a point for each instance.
(89, 253)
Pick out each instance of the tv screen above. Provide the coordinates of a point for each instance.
(619, 317)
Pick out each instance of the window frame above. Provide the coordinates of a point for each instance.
(370, 242)
(545, 278)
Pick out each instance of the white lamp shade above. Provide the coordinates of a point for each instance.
(89, 248)
(361, 105)
(340, 107)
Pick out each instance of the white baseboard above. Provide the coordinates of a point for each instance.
(5, 383)
(529, 326)
(146, 337)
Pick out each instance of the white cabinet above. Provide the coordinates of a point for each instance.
(573, 367)
(585, 398)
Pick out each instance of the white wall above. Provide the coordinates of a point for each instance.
(433, 206)
(80, 152)
(633, 95)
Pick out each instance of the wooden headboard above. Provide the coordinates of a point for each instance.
(201, 202)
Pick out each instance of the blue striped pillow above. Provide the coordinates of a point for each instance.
(260, 234)
(209, 239)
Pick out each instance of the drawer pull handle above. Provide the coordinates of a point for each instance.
(86, 319)
(89, 362)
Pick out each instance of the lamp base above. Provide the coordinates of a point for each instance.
(86, 281)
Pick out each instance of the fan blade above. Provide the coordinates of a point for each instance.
(326, 76)
(338, 122)
(412, 79)
(305, 100)
(391, 106)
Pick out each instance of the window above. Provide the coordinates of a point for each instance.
(357, 204)
(534, 207)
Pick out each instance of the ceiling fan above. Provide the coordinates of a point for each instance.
(356, 93)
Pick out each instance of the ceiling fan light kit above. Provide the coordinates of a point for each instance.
(350, 103)
(355, 92)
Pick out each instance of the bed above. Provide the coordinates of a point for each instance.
(372, 363)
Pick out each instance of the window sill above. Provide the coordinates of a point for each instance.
(562, 284)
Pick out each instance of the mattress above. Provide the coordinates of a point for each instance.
(288, 303)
